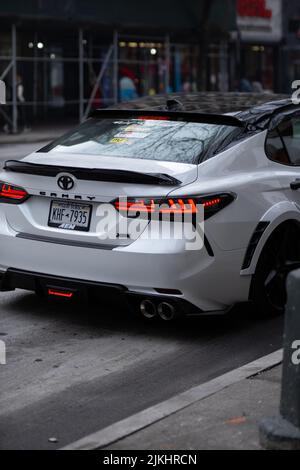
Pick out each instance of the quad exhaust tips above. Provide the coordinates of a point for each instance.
(167, 312)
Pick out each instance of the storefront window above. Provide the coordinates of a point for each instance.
(258, 65)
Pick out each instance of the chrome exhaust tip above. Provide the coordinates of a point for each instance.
(167, 312)
(148, 309)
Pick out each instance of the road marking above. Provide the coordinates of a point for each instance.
(143, 419)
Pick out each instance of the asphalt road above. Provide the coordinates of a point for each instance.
(74, 369)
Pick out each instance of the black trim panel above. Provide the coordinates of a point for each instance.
(256, 237)
(64, 241)
(208, 247)
(19, 279)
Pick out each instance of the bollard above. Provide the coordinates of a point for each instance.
(283, 431)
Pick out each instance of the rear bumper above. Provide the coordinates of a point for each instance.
(43, 283)
(209, 283)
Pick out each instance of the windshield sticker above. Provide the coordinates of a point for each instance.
(135, 127)
(118, 140)
(158, 123)
(133, 135)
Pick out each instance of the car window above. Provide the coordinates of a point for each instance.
(290, 133)
(275, 148)
(144, 138)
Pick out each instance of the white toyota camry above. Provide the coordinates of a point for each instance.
(73, 216)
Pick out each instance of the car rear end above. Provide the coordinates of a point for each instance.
(75, 216)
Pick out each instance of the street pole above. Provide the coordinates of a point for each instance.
(35, 75)
(116, 67)
(14, 80)
(168, 63)
(81, 74)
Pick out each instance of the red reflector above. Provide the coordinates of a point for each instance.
(55, 293)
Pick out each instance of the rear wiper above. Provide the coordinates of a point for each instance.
(92, 174)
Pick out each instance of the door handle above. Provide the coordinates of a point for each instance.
(295, 185)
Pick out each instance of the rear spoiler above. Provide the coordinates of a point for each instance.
(91, 174)
(218, 119)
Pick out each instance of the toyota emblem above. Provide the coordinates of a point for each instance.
(66, 183)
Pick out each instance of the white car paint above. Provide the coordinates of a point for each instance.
(210, 283)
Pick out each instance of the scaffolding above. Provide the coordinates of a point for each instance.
(111, 59)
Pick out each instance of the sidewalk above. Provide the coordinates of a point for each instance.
(227, 420)
(37, 134)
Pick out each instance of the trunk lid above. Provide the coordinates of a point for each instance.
(32, 217)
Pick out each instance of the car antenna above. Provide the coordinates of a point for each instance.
(174, 105)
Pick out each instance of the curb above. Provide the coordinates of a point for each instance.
(145, 418)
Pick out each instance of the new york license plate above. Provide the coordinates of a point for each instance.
(70, 216)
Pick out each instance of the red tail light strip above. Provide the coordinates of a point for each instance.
(178, 206)
(212, 203)
(55, 293)
(175, 206)
(154, 118)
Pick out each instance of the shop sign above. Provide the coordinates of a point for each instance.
(260, 20)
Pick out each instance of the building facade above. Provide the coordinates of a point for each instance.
(290, 52)
(261, 32)
(76, 55)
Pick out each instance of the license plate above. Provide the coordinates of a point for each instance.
(70, 216)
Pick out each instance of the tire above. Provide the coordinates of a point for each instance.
(280, 256)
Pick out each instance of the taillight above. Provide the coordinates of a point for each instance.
(139, 207)
(11, 194)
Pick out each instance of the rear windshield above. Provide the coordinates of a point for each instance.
(148, 139)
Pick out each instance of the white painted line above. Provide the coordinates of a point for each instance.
(143, 419)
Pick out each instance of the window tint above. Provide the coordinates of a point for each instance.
(149, 139)
(275, 149)
(290, 133)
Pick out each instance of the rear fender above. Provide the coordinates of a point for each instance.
(282, 212)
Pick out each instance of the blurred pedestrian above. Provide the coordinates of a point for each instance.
(187, 85)
(7, 128)
(22, 121)
(257, 85)
(245, 86)
(128, 89)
